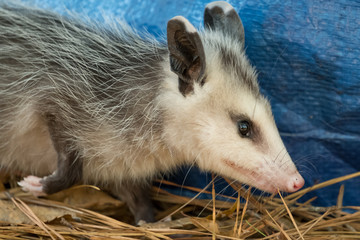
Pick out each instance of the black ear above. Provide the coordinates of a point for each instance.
(187, 58)
(222, 16)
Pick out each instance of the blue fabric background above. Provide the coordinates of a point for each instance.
(307, 53)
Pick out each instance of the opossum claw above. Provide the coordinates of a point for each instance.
(33, 185)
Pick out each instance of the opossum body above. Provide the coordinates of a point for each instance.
(80, 103)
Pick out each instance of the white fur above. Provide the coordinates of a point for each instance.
(201, 128)
(188, 26)
(174, 129)
(224, 5)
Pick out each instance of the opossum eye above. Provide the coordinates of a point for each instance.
(244, 128)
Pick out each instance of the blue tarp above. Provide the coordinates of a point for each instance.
(307, 53)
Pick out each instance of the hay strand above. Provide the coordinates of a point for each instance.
(275, 217)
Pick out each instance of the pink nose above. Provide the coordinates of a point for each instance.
(296, 182)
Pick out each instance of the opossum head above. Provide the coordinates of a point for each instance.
(215, 111)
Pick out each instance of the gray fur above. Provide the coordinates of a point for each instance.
(99, 104)
(77, 77)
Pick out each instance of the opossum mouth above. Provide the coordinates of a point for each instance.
(244, 171)
(252, 175)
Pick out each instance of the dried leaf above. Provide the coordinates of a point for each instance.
(11, 214)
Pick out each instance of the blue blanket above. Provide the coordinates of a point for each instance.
(307, 53)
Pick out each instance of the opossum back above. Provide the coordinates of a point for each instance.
(93, 81)
(103, 70)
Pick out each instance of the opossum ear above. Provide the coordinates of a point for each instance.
(222, 16)
(187, 58)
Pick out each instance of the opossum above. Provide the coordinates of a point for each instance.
(81, 102)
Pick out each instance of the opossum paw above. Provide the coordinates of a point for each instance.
(167, 219)
(141, 223)
(33, 185)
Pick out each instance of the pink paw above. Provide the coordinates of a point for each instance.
(32, 185)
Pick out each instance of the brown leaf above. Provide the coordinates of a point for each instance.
(86, 197)
(11, 214)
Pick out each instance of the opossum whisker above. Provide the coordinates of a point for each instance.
(187, 174)
(210, 200)
(277, 59)
(283, 163)
(277, 156)
(160, 182)
(253, 113)
(217, 194)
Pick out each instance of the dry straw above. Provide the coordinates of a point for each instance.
(253, 217)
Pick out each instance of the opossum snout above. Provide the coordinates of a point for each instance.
(295, 182)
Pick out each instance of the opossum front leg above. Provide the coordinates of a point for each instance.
(137, 198)
(68, 172)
